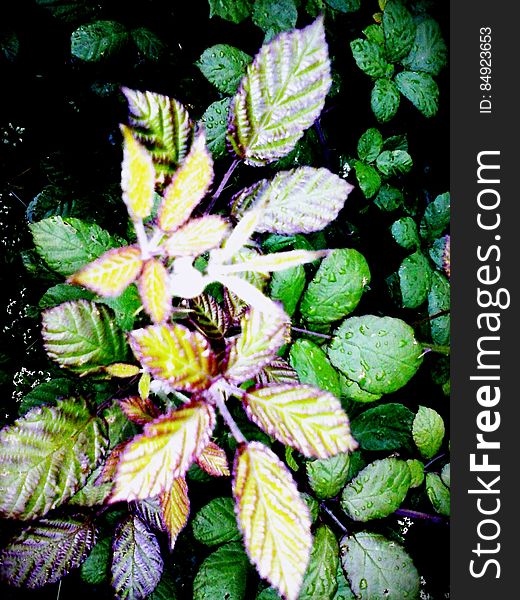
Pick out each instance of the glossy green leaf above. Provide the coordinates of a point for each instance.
(48, 392)
(415, 278)
(274, 17)
(343, 592)
(63, 292)
(439, 301)
(386, 427)
(337, 287)
(230, 10)
(344, 6)
(368, 178)
(224, 66)
(313, 366)
(69, 10)
(428, 431)
(396, 142)
(223, 574)
(370, 58)
(96, 568)
(287, 287)
(215, 124)
(166, 589)
(381, 354)
(429, 52)
(215, 523)
(384, 99)
(436, 217)
(388, 198)
(374, 33)
(438, 494)
(438, 250)
(350, 390)
(369, 561)
(320, 578)
(404, 232)
(149, 44)
(370, 145)
(399, 29)
(394, 162)
(95, 41)
(420, 89)
(416, 472)
(327, 476)
(125, 307)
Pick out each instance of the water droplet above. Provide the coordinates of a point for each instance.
(363, 584)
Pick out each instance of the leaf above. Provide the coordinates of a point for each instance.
(389, 198)
(350, 390)
(428, 431)
(47, 455)
(369, 561)
(136, 564)
(215, 125)
(96, 568)
(164, 451)
(95, 41)
(415, 278)
(421, 90)
(404, 232)
(439, 301)
(174, 354)
(436, 217)
(175, 506)
(215, 523)
(381, 354)
(262, 336)
(313, 366)
(122, 370)
(344, 6)
(399, 29)
(82, 337)
(166, 589)
(148, 43)
(384, 99)
(160, 123)
(301, 416)
(197, 236)
(394, 162)
(368, 178)
(437, 251)
(429, 52)
(214, 461)
(320, 578)
(370, 145)
(209, 317)
(327, 476)
(66, 245)
(139, 410)
(370, 58)
(336, 288)
(279, 261)
(274, 520)
(287, 287)
(125, 307)
(223, 574)
(445, 475)
(416, 472)
(150, 513)
(111, 273)
(274, 17)
(343, 592)
(92, 494)
(230, 10)
(154, 290)
(189, 185)
(224, 66)
(281, 95)
(48, 393)
(377, 491)
(46, 551)
(384, 428)
(277, 371)
(63, 292)
(438, 494)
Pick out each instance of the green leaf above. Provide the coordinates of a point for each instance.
(274, 17)
(336, 288)
(399, 29)
(81, 336)
(224, 66)
(313, 366)
(384, 100)
(46, 551)
(374, 33)
(350, 390)
(287, 287)
(215, 523)
(149, 44)
(312, 505)
(438, 250)
(416, 472)
(386, 427)
(327, 476)
(436, 217)
(96, 569)
(438, 494)
(223, 574)
(69, 10)
(137, 564)
(415, 278)
(125, 307)
(370, 561)
(98, 40)
(421, 90)
(439, 301)
(268, 594)
(445, 475)
(230, 10)
(165, 589)
(320, 578)
(66, 245)
(92, 493)
(370, 58)
(344, 6)
(394, 162)
(63, 292)
(47, 392)
(404, 232)
(396, 142)
(428, 431)
(429, 52)
(47, 455)
(267, 116)
(381, 354)
(368, 178)
(215, 124)
(343, 592)
(389, 198)
(370, 145)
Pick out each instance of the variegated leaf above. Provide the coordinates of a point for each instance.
(174, 354)
(196, 236)
(139, 410)
(162, 124)
(302, 200)
(279, 261)
(150, 512)
(136, 562)
(273, 518)
(122, 370)
(154, 291)
(302, 416)
(92, 494)
(281, 95)
(111, 273)
(109, 469)
(46, 551)
(189, 185)
(175, 507)
(234, 306)
(47, 455)
(137, 177)
(277, 371)
(163, 452)
(209, 317)
(214, 461)
(263, 334)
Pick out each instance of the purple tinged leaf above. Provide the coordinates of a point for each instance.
(211, 319)
(277, 371)
(149, 512)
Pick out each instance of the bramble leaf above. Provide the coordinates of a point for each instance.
(429, 52)
(277, 371)
(415, 278)
(416, 472)
(215, 123)
(404, 231)
(384, 427)
(274, 17)
(438, 494)
(139, 410)
(436, 217)
(287, 287)
(313, 366)
(137, 176)
(399, 29)
(421, 89)
(370, 145)
(327, 476)
(224, 66)
(394, 162)
(96, 568)
(215, 523)
(439, 301)
(384, 100)
(265, 263)
(370, 58)
(47, 392)
(223, 574)
(351, 391)
(196, 236)
(389, 198)
(274, 520)
(428, 431)
(445, 475)
(94, 41)
(175, 506)
(320, 578)
(368, 178)
(214, 461)
(148, 43)
(154, 290)
(230, 10)
(209, 318)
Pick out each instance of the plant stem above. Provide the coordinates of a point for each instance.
(434, 460)
(142, 238)
(325, 336)
(414, 514)
(228, 419)
(334, 518)
(437, 348)
(323, 143)
(442, 313)
(222, 185)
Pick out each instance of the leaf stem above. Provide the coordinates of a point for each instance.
(414, 514)
(222, 185)
(445, 350)
(325, 336)
(433, 460)
(323, 143)
(228, 419)
(142, 239)
(334, 518)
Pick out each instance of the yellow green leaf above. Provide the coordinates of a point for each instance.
(154, 292)
(144, 385)
(175, 508)
(279, 261)
(189, 185)
(151, 462)
(139, 410)
(196, 236)
(174, 354)
(274, 520)
(111, 273)
(214, 461)
(240, 234)
(138, 176)
(302, 416)
(122, 370)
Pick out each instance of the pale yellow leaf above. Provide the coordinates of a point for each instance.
(279, 261)
(175, 508)
(154, 290)
(144, 385)
(240, 234)
(138, 176)
(196, 236)
(214, 461)
(122, 370)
